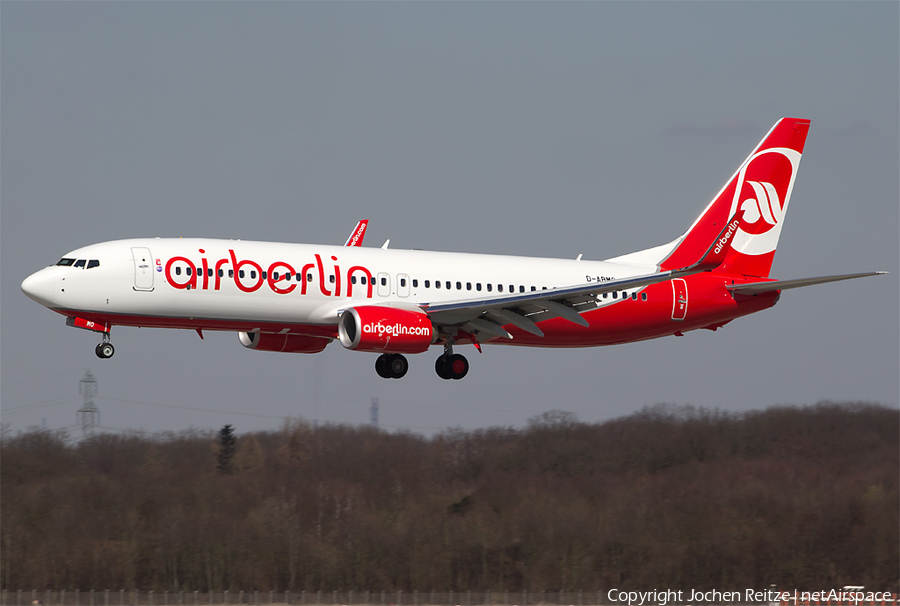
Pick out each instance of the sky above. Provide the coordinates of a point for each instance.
(537, 129)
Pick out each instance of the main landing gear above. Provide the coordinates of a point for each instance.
(105, 349)
(451, 365)
(391, 366)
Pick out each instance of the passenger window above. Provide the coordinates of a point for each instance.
(468, 286)
(499, 288)
(384, 281)
(209, 271)
(352, 279)
(274, 275)
(402, 281)
(437, 283)
(427, 283)
(512, 288)
(478, 286)
(643, 296)
(521, 288)
(240, 273)
(615, 294)
(331, 278)
(263, 275)
(93, 263)
(177, 271)
(490, 286)
(606, 295)
(187, 271)
(230, 273)
(459, 286)
(66, 262)
(309, 277)
(415, 283)
(533, 288)
(221, 272)
(362, 280)
(299, 278)
(634, 296)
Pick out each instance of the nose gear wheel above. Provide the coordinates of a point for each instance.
(105, 350)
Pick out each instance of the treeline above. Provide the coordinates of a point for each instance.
(669, 497)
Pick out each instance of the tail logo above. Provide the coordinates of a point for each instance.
(762, 193)
(765, 206)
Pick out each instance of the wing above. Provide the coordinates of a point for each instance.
(524, 310)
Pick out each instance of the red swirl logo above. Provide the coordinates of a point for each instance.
(764, 192)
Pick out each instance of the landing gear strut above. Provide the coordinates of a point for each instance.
(391, 366)
(451, 365)
(105, 349)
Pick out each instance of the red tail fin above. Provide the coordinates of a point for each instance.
(760, 191)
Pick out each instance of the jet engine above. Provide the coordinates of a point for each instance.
(386, 329)
(284, 343)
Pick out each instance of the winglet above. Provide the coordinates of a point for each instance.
(718, 250)
(359, 232)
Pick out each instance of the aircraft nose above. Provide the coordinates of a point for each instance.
(40, 286)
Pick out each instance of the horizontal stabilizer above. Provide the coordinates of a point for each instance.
(761, 287)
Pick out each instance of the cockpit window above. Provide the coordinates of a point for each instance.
(93, 263)
(66, 262)
(80, 263)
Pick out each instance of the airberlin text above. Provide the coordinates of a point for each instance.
(280, 277)
(723, 241)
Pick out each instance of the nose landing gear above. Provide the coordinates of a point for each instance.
(105, 349)
(391, 366)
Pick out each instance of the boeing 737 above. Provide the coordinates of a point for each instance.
(298, 298)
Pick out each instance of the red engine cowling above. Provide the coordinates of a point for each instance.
(284, 343)
(374, 328)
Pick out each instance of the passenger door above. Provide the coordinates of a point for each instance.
(679, 299)
(143, 268)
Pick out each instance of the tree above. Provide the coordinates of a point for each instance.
(227, 447)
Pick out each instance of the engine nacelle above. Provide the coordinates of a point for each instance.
(387, 329)
(284, 343)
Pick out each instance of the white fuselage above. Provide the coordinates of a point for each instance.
(233, 284)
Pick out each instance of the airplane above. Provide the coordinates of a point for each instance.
(298, 298)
